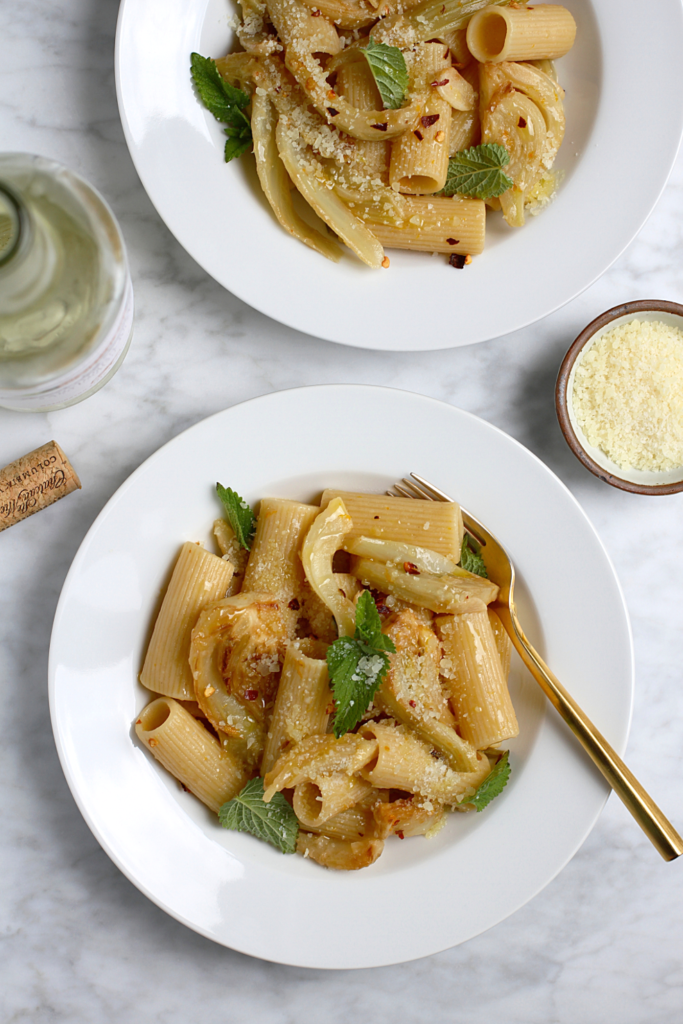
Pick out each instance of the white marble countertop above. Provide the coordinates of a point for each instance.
(603, 942)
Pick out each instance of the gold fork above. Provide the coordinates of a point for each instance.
(656, 827)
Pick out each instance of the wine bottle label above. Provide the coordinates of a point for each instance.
(34, 482)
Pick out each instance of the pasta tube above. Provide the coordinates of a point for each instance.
(541, 32)
(189, 752)
(419, 159)
(315, 802)
(437, 224)
(472, 673)
(357, 822)
(301, 705)
(199, 578)
(274, 565)
(503, 643)
(356, 84)
(404, 762)
(317, 757)
(432, 524)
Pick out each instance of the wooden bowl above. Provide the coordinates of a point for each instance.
(635, 480)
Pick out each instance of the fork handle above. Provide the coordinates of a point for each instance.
(654, 824)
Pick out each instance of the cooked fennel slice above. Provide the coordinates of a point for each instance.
(309, 177)
(324, 538)
(456, 594)
(275, 181)
(394, 551)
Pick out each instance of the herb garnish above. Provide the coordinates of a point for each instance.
(389, 70)
(239, 515)
(470, 557)
(477, 172)
(274, 822)
(357, 665)
(493, 785)
(225, 102)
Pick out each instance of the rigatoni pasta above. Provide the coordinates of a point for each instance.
(199, 578)
(271, 708)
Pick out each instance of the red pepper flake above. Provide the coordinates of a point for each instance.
(411, 569)
(400, 834)
(443, 9)
(418, 135)
(412, 703)
(428, 120)
(457, 260)
(435, 84)
(294, 605)
(382, 127)
(251, 694)
(375, 517)
(331, 94)
(332, 112)
(329, 710)
(452, 241)
(521, 123)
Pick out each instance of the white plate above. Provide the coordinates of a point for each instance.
(422, 895)
(622, 136)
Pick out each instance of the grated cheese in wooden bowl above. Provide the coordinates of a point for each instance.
(628, 395)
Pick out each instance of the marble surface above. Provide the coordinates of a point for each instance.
(602, 943)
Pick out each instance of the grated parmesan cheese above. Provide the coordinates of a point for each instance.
(628, 395)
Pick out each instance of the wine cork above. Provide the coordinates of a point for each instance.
(34, 482)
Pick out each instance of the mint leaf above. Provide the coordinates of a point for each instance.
(477, 172)
(225, 102)
(235, 146)
(369, 624)
(493, 785)
(470, 557)
(275, 822)
(239, 515)
(357, 666)
(389, 70)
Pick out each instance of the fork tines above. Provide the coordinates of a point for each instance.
(418, 487)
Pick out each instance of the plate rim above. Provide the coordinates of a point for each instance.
(82, 552)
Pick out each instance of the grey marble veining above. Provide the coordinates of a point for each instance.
(603, 943)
